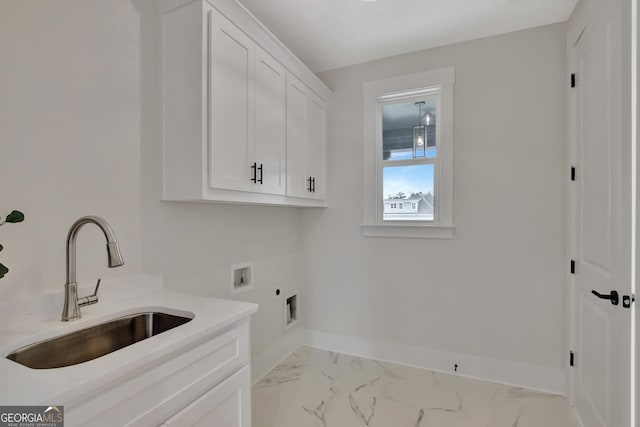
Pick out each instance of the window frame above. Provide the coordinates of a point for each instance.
(375, 93)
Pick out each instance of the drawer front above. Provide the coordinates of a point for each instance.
(226, 405)
(152, 396)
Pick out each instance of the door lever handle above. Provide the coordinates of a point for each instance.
(613, 296)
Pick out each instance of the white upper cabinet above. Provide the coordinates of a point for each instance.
(305, 141)
(297, 177)
(270, 124)
(231, 99)
(243, 118)
(316, 145)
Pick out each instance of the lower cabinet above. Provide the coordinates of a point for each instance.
(203, 383)
(226, 405)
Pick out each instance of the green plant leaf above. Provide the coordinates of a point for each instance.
(15, 216)
(3, 270)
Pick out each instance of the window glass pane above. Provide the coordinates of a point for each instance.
(408, 192)
(409, 129)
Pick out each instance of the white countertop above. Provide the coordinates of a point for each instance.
(25, 386)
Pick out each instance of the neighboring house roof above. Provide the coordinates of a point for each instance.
(425, 202)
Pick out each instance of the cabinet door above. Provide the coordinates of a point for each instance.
(270, 83)
(226, 405)
(231, 106)
(297, 177)
(316, 145)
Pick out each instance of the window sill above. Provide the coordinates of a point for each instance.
(408, 231)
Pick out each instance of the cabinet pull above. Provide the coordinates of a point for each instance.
(309, 187)
(254, 168)
(313, 185)
(260, 169)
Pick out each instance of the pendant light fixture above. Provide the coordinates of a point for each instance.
(419, 134)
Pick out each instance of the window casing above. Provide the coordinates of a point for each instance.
(421, 203)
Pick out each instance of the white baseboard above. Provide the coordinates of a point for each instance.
(548, 380)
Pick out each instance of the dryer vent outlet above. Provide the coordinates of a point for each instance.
(290, 310)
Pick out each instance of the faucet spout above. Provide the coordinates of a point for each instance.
(114, 256)
(71, 309)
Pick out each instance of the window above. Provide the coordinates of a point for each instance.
(409, 155)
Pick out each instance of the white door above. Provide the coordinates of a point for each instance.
(600, 226)
(270, 128)
(231, 100)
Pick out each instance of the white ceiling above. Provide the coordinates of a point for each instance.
(328, 34)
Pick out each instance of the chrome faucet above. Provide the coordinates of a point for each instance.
(72, 304)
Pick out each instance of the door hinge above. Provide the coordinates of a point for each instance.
(573, 173)
(571, 358)
(573, 80)
(627, 300)
(573, 267)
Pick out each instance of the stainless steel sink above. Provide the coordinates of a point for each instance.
(96, 341)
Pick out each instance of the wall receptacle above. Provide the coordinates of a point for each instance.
(242, 277)
(291, 309)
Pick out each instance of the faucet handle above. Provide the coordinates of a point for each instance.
(95, 292)
(91, 299)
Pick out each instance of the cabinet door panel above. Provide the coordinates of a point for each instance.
(226, 405)
(297, 183)
(270, 84)
(315, 145)
(230, 120)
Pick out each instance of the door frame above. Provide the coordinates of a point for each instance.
(635, 118)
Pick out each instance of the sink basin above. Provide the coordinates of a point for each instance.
(96, 341)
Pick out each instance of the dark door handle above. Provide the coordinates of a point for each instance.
(613, 296)
(260, 169)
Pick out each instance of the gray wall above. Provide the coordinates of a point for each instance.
(69, 138)
(496, 289)
(80, 132)
(195, 244)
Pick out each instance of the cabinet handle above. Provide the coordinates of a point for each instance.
(313, 187)
(254, 168)
(309, 188)
(260, 169)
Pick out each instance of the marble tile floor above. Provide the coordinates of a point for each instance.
(318, 388)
